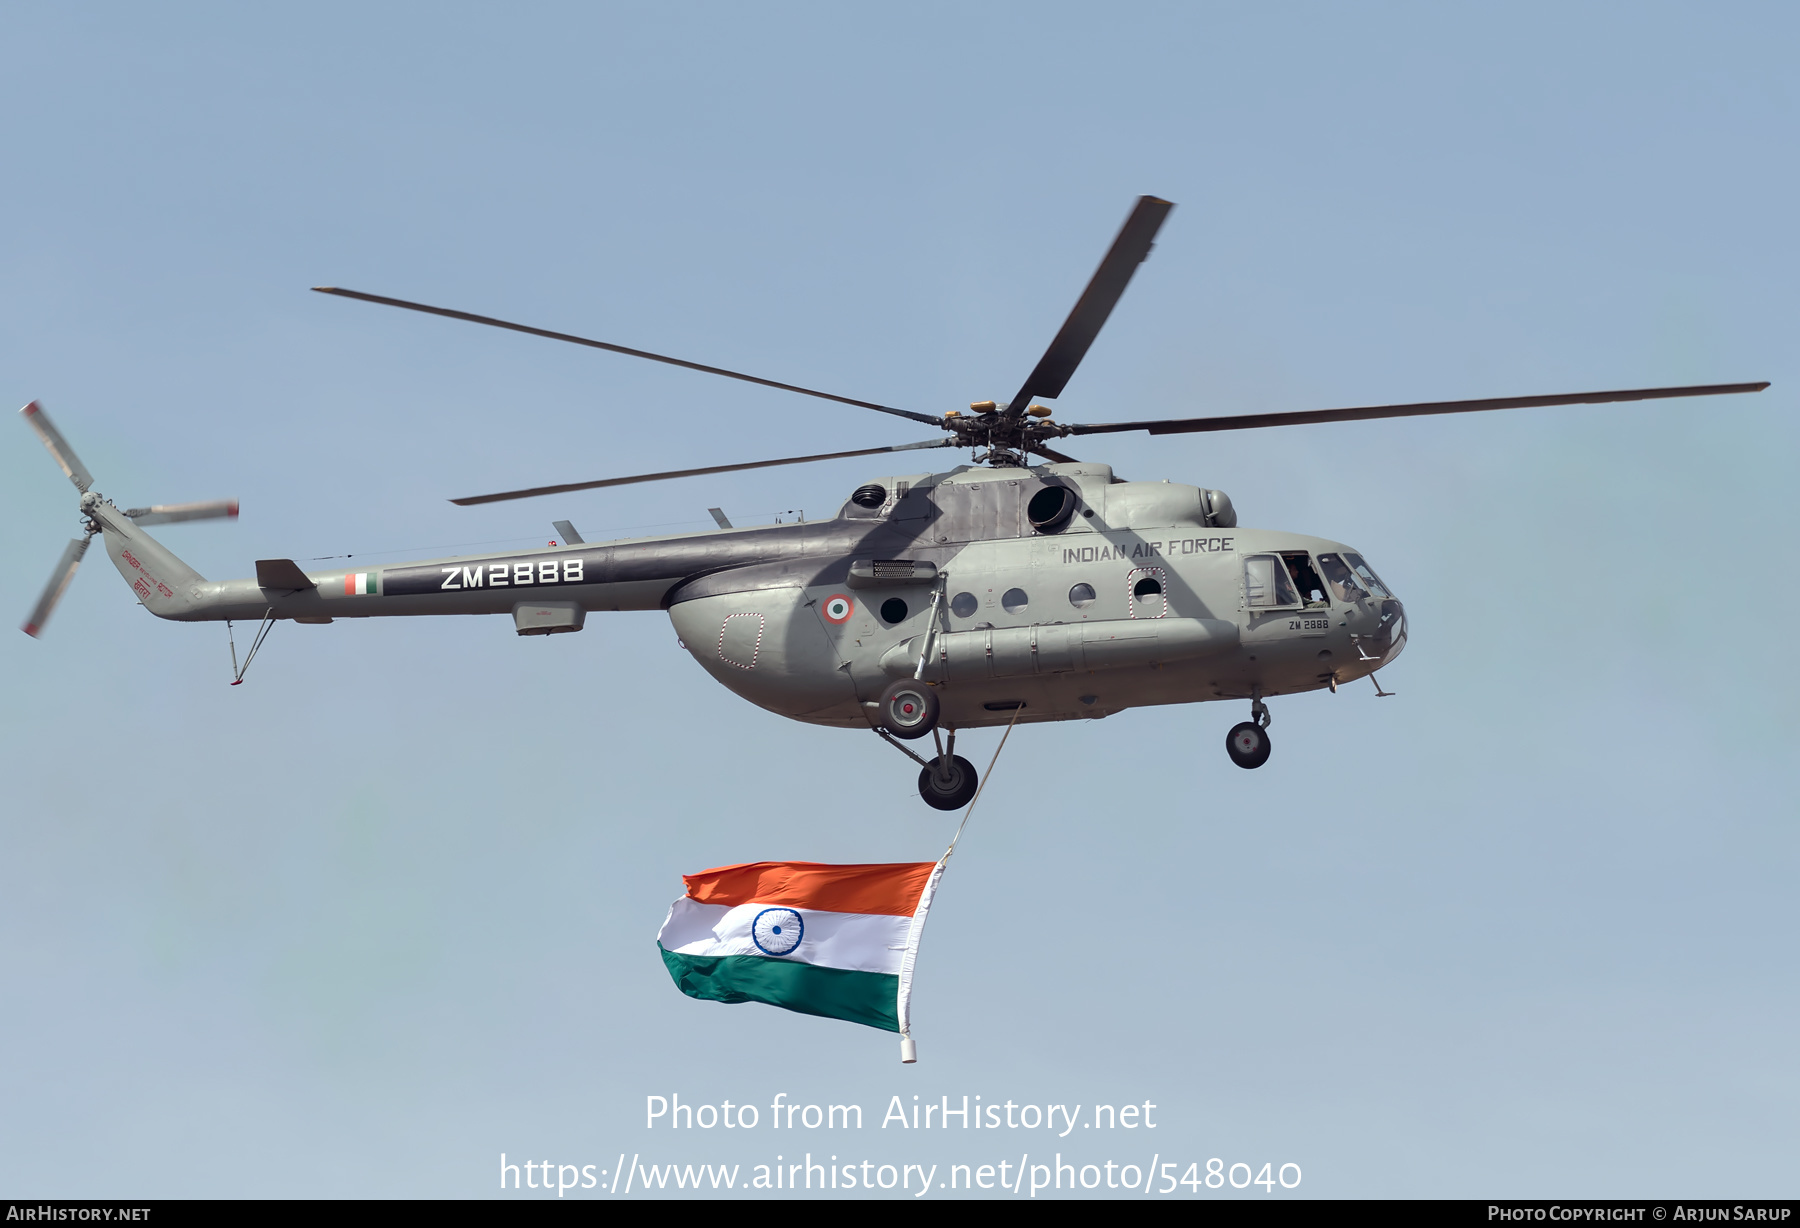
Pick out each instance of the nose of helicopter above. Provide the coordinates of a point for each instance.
(1393, 622)
(1377, 619)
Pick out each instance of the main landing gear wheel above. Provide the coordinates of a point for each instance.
(947, 787)
(909, 709)
(1248, 745)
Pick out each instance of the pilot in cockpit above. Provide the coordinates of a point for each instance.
(1342, 580)
(1312, 589)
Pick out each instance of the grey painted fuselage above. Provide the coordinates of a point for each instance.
(1146, 593)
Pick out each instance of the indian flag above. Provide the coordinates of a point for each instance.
(838, 941)
(359, 584)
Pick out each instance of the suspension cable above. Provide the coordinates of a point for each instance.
(983, 785)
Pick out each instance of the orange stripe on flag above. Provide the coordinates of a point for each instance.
(892, 889)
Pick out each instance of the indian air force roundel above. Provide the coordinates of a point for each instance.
(838, 608)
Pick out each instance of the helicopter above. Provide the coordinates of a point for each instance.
(1011, 589)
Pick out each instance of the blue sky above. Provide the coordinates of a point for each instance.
(386, 911)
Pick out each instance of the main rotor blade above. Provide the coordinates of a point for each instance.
(59, 584)
(1243, 422)
(174, 513)
(1056, 456)
(1095, 304)
(692, 473)
(59, 448)
(624, 349)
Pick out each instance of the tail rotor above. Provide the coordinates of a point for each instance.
(70, 464)
(58, 447)
(59, 584)
(174, 513)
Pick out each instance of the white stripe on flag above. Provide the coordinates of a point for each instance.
(910, 955)
(860, 942)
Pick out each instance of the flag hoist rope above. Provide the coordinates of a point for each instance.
(909, 1050)
(982, 786)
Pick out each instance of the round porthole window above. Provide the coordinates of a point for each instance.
(1149, 586)
(893, 610)
(1082, 596)
(1013, 600)
(964, 605)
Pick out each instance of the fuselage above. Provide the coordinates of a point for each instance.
(1049, 593)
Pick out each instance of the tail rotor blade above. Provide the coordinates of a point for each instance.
(173, 513)
(59, 583)
(58, 447)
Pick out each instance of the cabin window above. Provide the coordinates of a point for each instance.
(1267, 584)
(1013, 600)
(964, 605)
(1082, 596)
(893, 610)
(1149, 589)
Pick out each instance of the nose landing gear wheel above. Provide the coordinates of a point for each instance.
(909, 709)
(947, 787)
(1248, 745)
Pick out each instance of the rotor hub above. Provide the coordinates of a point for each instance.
(1007, 437)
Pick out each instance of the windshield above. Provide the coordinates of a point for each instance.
(1367, 575)
(1345, 586)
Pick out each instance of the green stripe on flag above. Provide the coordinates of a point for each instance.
(836, 993)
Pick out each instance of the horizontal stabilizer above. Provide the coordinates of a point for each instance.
(281, 574)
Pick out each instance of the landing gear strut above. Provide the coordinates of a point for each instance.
(947, 782)
(1248, 743)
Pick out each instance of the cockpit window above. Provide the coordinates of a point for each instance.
(1267, 584)
(1342, 581)
(1305, 577)
(1367, 575)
